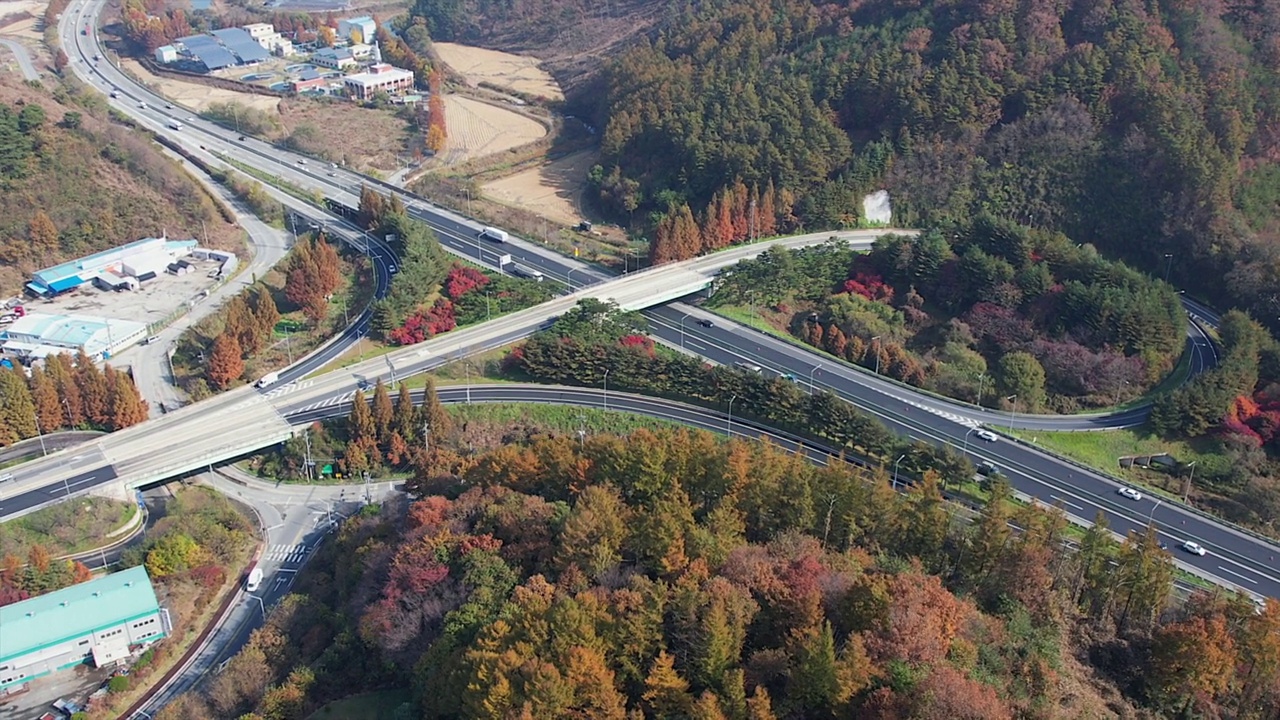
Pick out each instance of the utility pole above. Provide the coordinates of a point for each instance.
(307, 462)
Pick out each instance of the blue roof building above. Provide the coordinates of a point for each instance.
(101, 621)
(242, 45)
(148, 252)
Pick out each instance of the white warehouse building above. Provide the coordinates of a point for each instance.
(102, 621)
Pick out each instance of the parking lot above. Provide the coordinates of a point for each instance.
(154, 301)
(73, 684)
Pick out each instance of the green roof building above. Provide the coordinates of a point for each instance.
(101, 621)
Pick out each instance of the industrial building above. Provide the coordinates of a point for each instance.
(334, 58)
(380, 78)
(364, 25)
(102, 621)
(222, 49)
(38, 335)
(136, 259)
(310, 80)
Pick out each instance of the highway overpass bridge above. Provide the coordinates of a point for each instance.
(246, 420)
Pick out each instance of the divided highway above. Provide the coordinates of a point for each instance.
(1233, 556)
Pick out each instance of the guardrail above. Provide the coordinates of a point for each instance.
(221, 454)
(1169, 500)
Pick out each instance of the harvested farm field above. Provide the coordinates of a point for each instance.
(550, 190)
(477, 129)
(506, 70)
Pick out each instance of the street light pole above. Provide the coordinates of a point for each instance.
(606, 388)
(1152, 514)
(1187, 490)
(1013, 407)
(965, 450)
(1168, 265)
(729, 423)
(816, 368)
(36, 416)
(260, 604)
(682, 319)
(876, 340)
(895, 470)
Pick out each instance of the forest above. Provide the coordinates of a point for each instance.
(672, 574)
(977, 311)
(67, 393)
(1148, 130)
(73, 182)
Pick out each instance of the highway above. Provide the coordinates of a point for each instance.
(460, 235)
(1233, 555)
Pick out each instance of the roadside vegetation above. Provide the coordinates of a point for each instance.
(195, 553)
(64, 528)
(76, 182)
(431, 294)
(676, 574)
(987, 312)
(66, 394)
(286, 314)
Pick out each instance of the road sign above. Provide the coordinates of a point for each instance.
(326, 469)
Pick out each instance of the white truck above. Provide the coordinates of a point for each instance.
(255, 580)
(268, 379)
(526, 272)
(494, 234)
(175, 124)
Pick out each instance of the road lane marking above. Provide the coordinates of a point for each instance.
(1242, 577)
(1066, 502)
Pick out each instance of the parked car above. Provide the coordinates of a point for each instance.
(1193, 547)
(1130, 493)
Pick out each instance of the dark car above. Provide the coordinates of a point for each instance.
(241, 138)
(706, 323)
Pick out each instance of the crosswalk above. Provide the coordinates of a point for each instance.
(288, 388)
(286, 554)
(953, 417)
(335, 400)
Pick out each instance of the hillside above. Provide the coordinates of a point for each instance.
(1147, 129)
(669, 574)
(75, 182)
(572, 37)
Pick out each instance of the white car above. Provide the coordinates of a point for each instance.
(1130, 493)
(987, 435)
(1193, 547)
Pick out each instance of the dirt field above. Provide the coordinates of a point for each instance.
(362, 138)
(551, 190)
(477, 129)
(515, 72)
(23, 27)
(197, 96)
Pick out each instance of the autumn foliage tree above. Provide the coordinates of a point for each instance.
(226, 361)
(313, 274)
(437, 130)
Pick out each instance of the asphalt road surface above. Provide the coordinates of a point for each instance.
(1232, 556)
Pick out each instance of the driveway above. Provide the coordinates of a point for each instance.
(24, 59)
